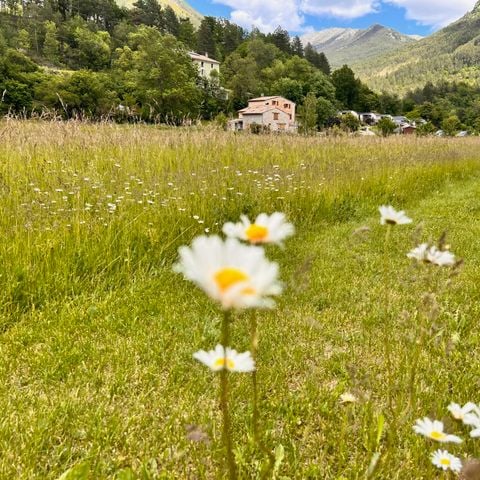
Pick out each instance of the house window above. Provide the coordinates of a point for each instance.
(286, 105)
(203, 64)
(275, 116)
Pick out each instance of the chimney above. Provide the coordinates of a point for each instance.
(206, 54)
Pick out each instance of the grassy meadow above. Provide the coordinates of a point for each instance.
(97, 332)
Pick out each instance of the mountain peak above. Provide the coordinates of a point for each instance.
(348, 46)
(376, 27)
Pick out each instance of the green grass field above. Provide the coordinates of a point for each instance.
(97, 332)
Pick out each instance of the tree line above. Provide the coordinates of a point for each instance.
(95, 59)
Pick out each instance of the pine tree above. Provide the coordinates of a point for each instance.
(281, 39)
(297, 46)
(318, 60)
(171, 22)
(187, 33)
(206, 37)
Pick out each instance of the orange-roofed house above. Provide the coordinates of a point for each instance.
(275, 113)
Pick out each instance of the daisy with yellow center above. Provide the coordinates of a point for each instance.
(434, 430)
(265, 229)
(446, 461)
(236, 275)
(229, 359)
(390, 216)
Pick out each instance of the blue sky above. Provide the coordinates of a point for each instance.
(420, 17)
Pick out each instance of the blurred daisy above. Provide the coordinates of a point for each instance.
(389, 216)
(236, 275)
(419, 253)
(446, 461)
(475, 433)
(348, 397)
(434, 430)
(472, 420)
(459, 413)
(265, 229)
(221, 358)
(442, 258)
(426, 254)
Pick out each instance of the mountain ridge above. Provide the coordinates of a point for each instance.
(451, 54)
(348, 45)
(182, 8)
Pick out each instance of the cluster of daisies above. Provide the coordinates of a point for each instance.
(423, 253)
(469, 414)
(236, 273)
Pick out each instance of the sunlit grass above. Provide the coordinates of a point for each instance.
(98, 333)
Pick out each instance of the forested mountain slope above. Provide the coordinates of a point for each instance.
(451, 54)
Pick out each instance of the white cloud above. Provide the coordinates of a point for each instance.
(269, 14)
(266, 15)
(437, 13)
(339, 8)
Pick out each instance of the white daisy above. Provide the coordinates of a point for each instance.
(236, 275)
(348, 397)
(426, 254)
(389, 216)
(221, 358)
(434, 430)
(442, 258)
(472, 419)
(459, 413)
(419, 253)
(446, 461)
(475, 433)
(265, 229)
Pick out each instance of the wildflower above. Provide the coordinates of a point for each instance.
(348, 397)
(442, 258)
(434, 430)
(419, 253)
(458, 412)
(473, 420)
(389, 216)
(265, 229)
(426, 254)
(446, 461)
(221, 358)
(236, 275)
(475, 433)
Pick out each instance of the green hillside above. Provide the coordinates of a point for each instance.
(451, 54)
(180, 7)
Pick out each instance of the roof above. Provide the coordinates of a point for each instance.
(262, 99)
(258, 110)
(202, 58)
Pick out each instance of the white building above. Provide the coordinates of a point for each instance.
(205, 64)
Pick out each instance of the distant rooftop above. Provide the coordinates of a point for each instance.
(202, 58)
(261, 99)
(259, 109)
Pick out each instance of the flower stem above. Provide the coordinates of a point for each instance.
(387, 331)
(254, 348)
(224, 394)
(255, 409)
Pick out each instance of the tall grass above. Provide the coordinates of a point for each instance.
(97, 332)
(87, 206)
